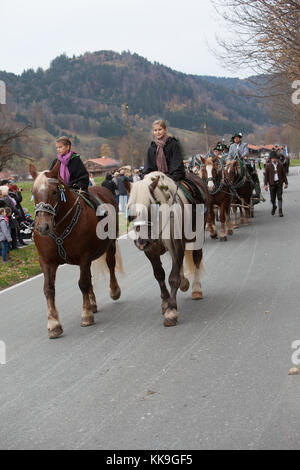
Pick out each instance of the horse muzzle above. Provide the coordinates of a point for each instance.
(142, 245)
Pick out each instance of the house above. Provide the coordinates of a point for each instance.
(260, 151)
(100, 166)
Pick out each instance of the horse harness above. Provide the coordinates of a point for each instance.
(49, 209)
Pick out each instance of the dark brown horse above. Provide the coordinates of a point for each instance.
(158, 190)
(219, 196)
(65, 232)
(242, 188)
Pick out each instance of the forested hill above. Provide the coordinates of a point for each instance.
(85, 94)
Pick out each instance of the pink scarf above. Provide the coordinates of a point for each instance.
(161, 161)
(64, 171)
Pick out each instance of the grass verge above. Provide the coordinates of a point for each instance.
(23, 265)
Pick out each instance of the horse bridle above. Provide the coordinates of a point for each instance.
(49, 209)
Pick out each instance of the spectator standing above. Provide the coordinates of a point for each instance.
(123, 196)
(5, 235)
(110, 184)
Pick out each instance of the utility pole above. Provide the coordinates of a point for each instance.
(126, 107)
(206, 136)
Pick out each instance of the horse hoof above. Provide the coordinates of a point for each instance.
(223, 239)
(185, 285)
(94, 308)
(58, 331)
(214, 237)
(236, 227)
(116, 294)
(87, 322)
(230, 232)
(171, 318)
(197, 296)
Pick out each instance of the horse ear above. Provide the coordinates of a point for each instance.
(127, 185)
(33, 171)
(202, 160)
(54, 173)
(153, 185)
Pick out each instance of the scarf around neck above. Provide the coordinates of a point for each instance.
(64, 171)
(161, 161)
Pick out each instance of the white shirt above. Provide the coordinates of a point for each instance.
(276, 177)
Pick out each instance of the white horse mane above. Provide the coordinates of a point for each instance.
(164, 192)
(42, 181)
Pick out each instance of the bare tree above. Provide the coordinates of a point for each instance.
(8, 141)
(265, 38)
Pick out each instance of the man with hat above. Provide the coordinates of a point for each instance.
(238, 147)
(275, 177)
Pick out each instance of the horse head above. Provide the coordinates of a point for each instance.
(47, 188)
(147, 198)
(232, 170)
(208, 171)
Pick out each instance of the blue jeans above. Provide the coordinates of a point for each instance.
(5, 250)
(122, 203)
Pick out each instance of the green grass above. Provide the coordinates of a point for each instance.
(23, 265)
(295, 162)
(26, 194)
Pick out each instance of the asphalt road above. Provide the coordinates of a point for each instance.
(219, 380)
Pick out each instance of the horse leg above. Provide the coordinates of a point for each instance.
(223, 237)
(54, 327)
(93, 300)
(185, 283)
(235, 219)
(85, 284)
(242, 210)
(197, 288)
(160, 276)
(115, 291)
(211, 224)
(171, 314)
(228, 220)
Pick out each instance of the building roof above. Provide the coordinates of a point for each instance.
(105, 162)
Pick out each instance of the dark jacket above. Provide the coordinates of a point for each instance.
(174, 159)
(270, 174)
(121, 187)
(79, 177)
(110, 184)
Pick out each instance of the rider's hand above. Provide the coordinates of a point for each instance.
(266, 188)
(286, 186)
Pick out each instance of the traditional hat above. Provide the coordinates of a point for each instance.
(274, 154)
(219, 146)
(237, 134)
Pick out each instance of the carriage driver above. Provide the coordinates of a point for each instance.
(239, 147)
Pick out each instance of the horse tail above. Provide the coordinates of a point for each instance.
(119, 260)
(99, 267)
(190, 264)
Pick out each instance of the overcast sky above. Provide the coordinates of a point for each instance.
(175, 33)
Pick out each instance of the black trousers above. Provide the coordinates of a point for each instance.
(276, 191)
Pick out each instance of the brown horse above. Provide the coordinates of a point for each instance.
(242, 188)
(158, 190)
(219, 196)
(65, 232)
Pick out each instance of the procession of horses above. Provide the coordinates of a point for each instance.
(66, 228)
